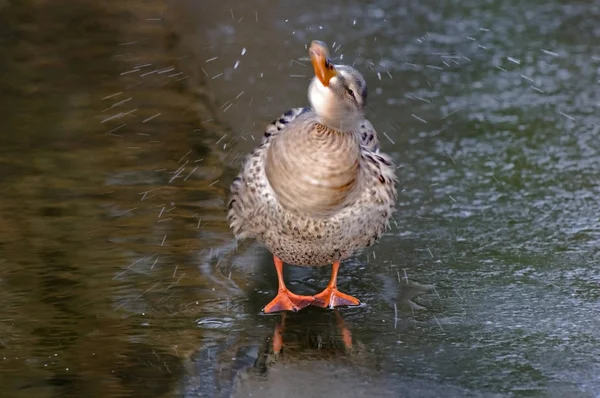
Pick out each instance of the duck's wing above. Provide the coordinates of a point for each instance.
(246, 202)
(279, 124)
(368, 136)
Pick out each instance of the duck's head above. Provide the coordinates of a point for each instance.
(337, 93)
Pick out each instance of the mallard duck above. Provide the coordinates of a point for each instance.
(317, 189)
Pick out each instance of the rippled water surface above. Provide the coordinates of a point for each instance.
(124, 122)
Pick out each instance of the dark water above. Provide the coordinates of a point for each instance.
(123, 124)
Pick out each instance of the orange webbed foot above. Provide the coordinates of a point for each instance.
(288, 301)
(331, 298)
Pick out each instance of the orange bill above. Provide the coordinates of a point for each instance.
(319, 56)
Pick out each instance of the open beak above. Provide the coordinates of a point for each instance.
(319, 56)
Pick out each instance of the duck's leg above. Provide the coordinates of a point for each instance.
(286, 300)
(331, 297)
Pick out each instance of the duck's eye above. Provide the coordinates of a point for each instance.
(350, 93)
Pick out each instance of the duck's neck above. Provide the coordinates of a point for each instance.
(314, 169)
(341, 123)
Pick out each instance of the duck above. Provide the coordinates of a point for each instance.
(318, 188)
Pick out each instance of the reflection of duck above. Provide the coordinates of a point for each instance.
(345, 334)
(317, 189)
(320, 340)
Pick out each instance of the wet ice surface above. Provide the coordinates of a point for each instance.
(486, 284)
(493, 122)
